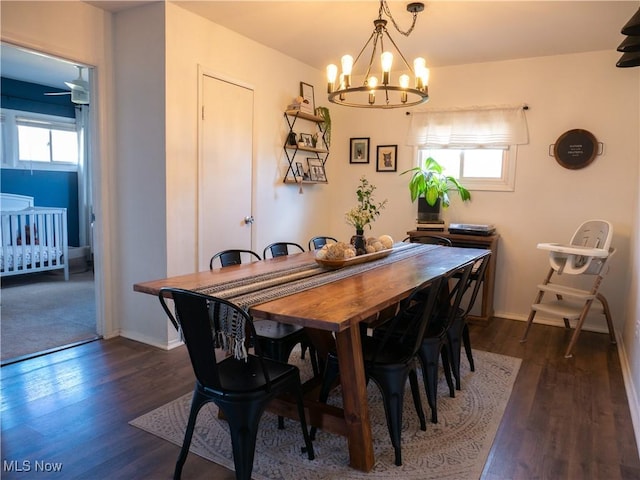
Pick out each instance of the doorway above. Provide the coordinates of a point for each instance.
(40, 311)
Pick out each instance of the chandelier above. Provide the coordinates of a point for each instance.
(372, 93)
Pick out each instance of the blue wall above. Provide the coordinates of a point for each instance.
(48, 188)
(30, 97)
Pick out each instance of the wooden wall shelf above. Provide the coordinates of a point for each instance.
(321, 154)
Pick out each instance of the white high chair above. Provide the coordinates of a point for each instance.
(588, 253)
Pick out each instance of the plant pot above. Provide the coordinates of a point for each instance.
(428, 213)
(359, 242)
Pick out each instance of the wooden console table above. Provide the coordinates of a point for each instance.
(489, 242)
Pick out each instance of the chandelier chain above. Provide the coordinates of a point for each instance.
(384, 7)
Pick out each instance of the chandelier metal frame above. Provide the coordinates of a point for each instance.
(345, 94)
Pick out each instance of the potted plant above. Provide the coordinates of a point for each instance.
(429, 184)
(364, 213)
(323, 112)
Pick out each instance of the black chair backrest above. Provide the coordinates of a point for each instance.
(318, 242)
(449, 308)
(430, 239)
(280, 249)
(231, 257)
(202, 319)
(415, 312)
(477, 275)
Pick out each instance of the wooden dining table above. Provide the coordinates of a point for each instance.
(338, 307)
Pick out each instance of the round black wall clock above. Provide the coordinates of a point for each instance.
(575, 149)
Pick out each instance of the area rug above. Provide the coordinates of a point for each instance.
(453, 449)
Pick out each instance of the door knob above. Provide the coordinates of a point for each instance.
(249, 219)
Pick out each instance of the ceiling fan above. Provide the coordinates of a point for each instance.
(79, 90)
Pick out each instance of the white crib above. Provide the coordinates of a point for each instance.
(34, 239)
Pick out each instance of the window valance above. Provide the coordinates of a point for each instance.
(473, 126)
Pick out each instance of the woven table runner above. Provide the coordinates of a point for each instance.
(263, 288)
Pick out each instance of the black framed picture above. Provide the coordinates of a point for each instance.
(316, 170)
(386, 160)
(359, 150)
(305, 140)
(308, 98)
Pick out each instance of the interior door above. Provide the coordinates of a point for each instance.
(224, 200)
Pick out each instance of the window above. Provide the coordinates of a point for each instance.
(47, 141)
(37, 141)
(476, 145)
(476, 168)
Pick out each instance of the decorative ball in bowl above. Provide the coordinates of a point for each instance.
(336, 255)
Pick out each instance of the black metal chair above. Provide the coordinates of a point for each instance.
(232, 257)
(318, 242)
(390, 359)
(435, 343)
(240, 387)
(277, 340)
(280, 249)
(430, 239)
(458, 332)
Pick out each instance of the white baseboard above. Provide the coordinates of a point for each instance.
(151, 341)
(632, 393)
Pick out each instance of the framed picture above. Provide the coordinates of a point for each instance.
(316, 170)
(299, 170)
(387, 158)
(359, 150)
(308, 99)
(306, 140)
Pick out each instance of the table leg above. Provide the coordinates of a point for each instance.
(354, 394)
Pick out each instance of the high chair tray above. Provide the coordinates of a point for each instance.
(574, 249)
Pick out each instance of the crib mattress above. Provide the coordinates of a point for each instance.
(25, 257)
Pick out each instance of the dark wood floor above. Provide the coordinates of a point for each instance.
(566, 419)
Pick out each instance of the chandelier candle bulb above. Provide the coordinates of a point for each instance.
(425, 78)
(404, 83)
(372, 83)
(387, 61)
(332, 74)
(419, 66)
(347, 66)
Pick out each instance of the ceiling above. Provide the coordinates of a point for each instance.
(447, 32)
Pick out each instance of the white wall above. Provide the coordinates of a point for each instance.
(564, 92)
(549, 202)
(630, 347)
(280, 212)
(139, 193)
